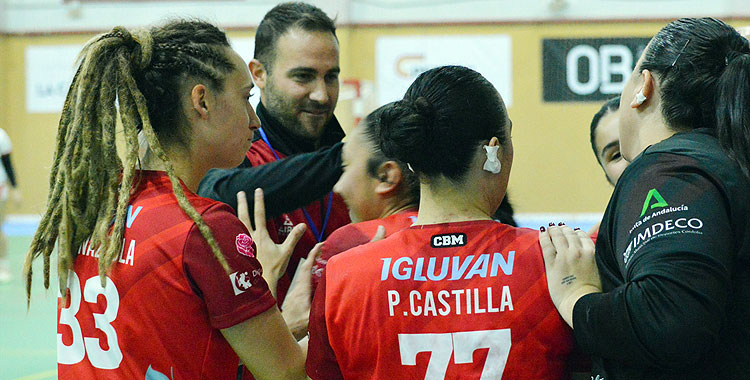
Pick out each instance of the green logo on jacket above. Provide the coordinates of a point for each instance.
(653, 195)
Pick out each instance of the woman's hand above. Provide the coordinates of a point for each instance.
(296, 307)
(571, 269)
(273, 258)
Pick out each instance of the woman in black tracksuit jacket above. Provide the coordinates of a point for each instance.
(671, 297)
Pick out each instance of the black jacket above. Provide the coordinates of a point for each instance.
(673, 253)
(288, 184)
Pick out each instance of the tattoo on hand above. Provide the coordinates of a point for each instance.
(567, 280)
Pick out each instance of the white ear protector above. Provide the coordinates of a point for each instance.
(492, 164)
(640, 98)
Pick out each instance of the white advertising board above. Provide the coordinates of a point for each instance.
(400, 59)
(49, 71)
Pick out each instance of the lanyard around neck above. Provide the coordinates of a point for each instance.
(318, 234)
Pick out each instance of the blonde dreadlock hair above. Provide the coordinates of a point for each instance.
(143, 72)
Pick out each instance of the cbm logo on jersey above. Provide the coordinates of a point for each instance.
(448, 240)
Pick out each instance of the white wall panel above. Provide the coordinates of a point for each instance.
(41, 16)
(437, 11)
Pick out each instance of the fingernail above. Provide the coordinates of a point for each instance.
(551, 224)
(576, 229)
(542, 229)
(561, 224)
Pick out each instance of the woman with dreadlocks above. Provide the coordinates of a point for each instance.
(157, 282)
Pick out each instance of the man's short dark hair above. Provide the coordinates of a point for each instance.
(284, 17)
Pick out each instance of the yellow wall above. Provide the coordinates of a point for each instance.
(554, 169)
(33, 135)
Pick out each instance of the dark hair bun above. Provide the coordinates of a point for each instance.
(440, 124)
(405, 130)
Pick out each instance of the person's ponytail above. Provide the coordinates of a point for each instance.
(733, 109)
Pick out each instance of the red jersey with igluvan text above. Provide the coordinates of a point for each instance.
(465, 300)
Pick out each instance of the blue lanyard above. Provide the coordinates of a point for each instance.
(318, 235)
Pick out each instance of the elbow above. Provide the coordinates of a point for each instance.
(679, 345)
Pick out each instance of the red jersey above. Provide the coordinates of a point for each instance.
(463, 300)
(165, 299)
(260, 153)
(356, 234)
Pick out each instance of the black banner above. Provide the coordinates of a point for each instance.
(588, 69)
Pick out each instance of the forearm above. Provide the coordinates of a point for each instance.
(288, 184)
(654, 321)
(266, 347)
(272, 282)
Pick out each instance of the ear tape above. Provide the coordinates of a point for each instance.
(492, 164)
(640, 98)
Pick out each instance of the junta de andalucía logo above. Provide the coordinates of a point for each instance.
(653, 200)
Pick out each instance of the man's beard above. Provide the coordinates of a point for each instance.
(285, 111)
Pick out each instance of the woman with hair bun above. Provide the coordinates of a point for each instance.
(157, 282)
(673, 251)
(457, 295)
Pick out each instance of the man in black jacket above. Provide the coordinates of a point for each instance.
(296, 68)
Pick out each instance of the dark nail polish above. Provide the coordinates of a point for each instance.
(551, 224)
(561, 224)
(576, 229)
(542, 229)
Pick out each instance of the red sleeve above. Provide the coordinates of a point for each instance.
(321, 360)
(230, 298)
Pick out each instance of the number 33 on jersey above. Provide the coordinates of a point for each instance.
(74, 352)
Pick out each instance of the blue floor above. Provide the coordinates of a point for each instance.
(27, 337)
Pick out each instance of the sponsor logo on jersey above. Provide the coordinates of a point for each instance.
(286, 227)
(659, 229)
(244, 245)
(658, 201)
(240, 282)
(448, 268)
(448, 240)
